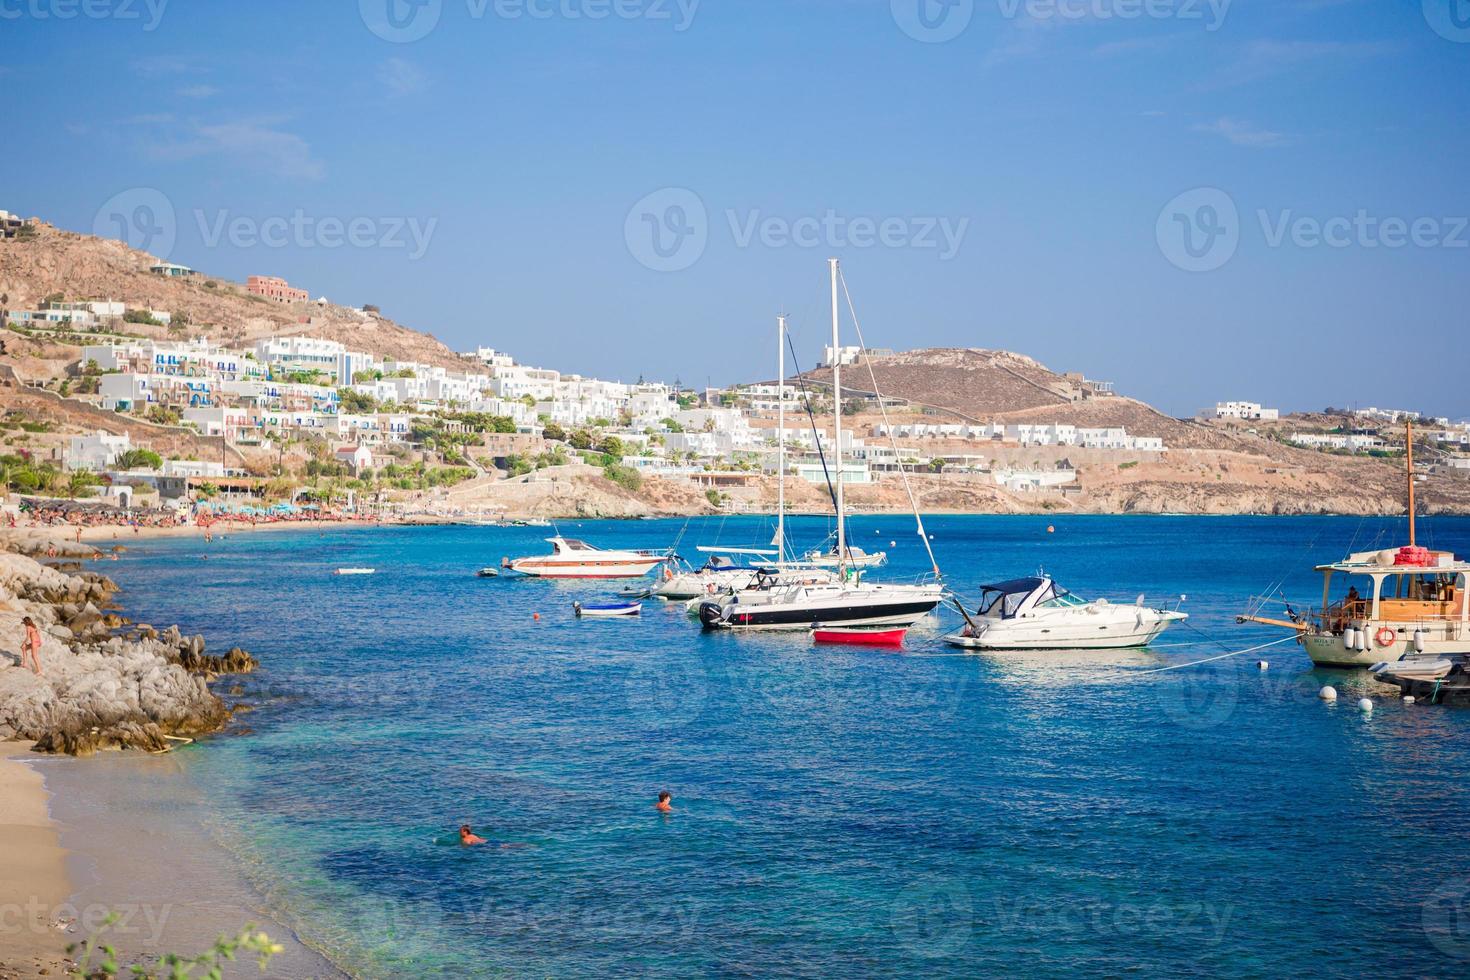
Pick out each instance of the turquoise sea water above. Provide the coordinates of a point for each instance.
(839, 812)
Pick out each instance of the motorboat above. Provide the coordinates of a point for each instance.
(356, 571)
(1414, 602)
(850, 636)
(718, 574)
(488, 573)
(573, 558)
(772, 603)
(1038, 614)
(610, 610)
(1429, 678)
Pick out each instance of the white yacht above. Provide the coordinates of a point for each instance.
(771, 603)
(1037, 614)
(571, 558)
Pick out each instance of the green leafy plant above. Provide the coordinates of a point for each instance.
(100, 960)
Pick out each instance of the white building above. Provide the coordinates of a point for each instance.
(97, 451)
(1249, 411)
(1337, 440)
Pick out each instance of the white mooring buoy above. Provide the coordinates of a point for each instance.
(1263, 665)
(1408, 699)
(1365, 705)
(1328, 693)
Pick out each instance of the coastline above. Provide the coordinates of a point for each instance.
(33, 872)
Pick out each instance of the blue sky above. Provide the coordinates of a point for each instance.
(1259, 199)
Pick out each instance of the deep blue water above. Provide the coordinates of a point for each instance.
(839, 812)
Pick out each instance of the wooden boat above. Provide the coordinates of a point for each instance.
(1414, 603)
(853, 636)
(610, 610)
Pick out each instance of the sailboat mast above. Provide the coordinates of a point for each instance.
(1409, 444)
(837, 425)
(781, 438)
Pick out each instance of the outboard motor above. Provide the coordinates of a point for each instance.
(711, 614)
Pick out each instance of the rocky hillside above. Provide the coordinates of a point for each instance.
(81, 267)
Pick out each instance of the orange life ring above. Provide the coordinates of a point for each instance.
(1385, 637)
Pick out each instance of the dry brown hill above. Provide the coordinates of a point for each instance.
(82, 267)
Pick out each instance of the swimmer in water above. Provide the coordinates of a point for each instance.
(467, 837)
(665, 802)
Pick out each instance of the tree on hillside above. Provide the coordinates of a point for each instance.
(554, 432)
(136, 459)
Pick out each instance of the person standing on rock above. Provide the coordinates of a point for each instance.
(30, 647)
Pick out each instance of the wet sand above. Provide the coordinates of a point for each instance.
(33, 877)
(138, 845)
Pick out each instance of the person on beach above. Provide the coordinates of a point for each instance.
(467, 837)
(665, 802)
(30, 647)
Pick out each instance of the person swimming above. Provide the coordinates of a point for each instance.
(665, 802)
(467, 837)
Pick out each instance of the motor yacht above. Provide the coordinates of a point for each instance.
(1038, 614)
(572, 558)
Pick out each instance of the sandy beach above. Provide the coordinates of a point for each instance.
(33, 875)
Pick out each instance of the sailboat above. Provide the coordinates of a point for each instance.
(1414, 603)
(772, 603)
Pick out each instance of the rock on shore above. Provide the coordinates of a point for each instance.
(98, 689)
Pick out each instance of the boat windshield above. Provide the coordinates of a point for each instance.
(572, 544)
(1003, 600)
(1062, 599)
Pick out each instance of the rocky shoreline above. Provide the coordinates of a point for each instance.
(106, 682)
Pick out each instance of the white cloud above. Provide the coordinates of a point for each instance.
(401, 78)
(198, 91)
(1241, 133)
(258, 143)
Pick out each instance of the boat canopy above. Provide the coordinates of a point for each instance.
(571, 544)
